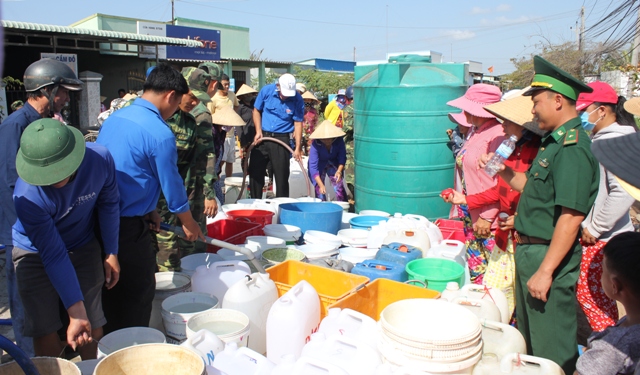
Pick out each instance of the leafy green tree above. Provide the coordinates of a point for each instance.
(323, 83)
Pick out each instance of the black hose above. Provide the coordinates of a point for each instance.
(246, 164)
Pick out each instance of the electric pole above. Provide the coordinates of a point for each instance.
(636, 43)
(173, 13)
(354, 54)
(581, 36)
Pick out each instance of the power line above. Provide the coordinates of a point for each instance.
(370, 25)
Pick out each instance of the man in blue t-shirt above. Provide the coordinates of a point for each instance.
(278, 111)
(63, 186)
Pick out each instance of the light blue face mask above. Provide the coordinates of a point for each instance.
(588, 126)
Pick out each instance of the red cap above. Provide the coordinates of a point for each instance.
(602, 93)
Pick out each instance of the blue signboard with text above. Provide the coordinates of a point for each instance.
(209, 38)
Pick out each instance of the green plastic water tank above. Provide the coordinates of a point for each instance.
(402, 161)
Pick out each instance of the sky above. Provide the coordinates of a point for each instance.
(487, 31)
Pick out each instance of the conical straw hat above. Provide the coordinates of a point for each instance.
(309, 95)
(327, 130)
(226, 116)
(516, 109)
(245, 89)
(632, 106)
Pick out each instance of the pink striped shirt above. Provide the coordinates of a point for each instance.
(484, 140)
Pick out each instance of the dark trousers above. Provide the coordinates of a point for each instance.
(279, 157)
(128, 304)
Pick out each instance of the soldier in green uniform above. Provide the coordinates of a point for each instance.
(171, 248)
(202, 176)
(557, 192)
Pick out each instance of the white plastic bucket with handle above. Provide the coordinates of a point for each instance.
(167, 284)
(177, 309)
(229, 325)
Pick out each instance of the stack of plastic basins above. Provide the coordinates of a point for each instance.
(431, 336)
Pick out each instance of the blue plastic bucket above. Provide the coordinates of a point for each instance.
(322, 216)
(366, 222)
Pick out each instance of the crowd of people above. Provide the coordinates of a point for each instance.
(551, 229)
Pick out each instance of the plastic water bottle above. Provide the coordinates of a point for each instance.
(502, 153)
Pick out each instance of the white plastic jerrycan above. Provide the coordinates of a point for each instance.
(218, 277)
(307, 366)
(516, 364)
(414, 237)
(480, 292)
(350, 323)
(501, 339)
(291, 321)
(353, 356)
(482, 308)
(242, 361)
(435, 235)
(449, 249)
(206, 344)
(253, 295)
(285, 367)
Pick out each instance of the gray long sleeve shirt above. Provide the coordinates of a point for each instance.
(609, 215)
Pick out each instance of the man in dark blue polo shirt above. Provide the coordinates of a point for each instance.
(278, 112)
(47, 83)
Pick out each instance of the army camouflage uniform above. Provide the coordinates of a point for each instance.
(168, 245)
(191, 142)
(202, 175)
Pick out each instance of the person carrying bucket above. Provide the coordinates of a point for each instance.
(63, 186)
(327, 157)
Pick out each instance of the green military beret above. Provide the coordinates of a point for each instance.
(550, 77)
(198, 81)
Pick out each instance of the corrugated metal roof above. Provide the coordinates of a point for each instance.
(107, 34)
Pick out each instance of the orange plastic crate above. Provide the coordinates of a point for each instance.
(331, 285)
(380, 293)
(231, 231)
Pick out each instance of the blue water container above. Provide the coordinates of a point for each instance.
(396, 252)
(312, 216)
(376, 269)
(366, 222)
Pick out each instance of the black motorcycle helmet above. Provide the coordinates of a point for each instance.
(47, 72)
(349, 93)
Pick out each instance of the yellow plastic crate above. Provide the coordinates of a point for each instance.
(380, 293)
(331, 285)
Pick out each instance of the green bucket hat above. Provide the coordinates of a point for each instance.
(50, 151)
(198, 81)
(550, 77)
(212, 68)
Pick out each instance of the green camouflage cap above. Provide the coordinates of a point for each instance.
(550, 77)
(198, 81)
(50, 151)
(213, 69)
